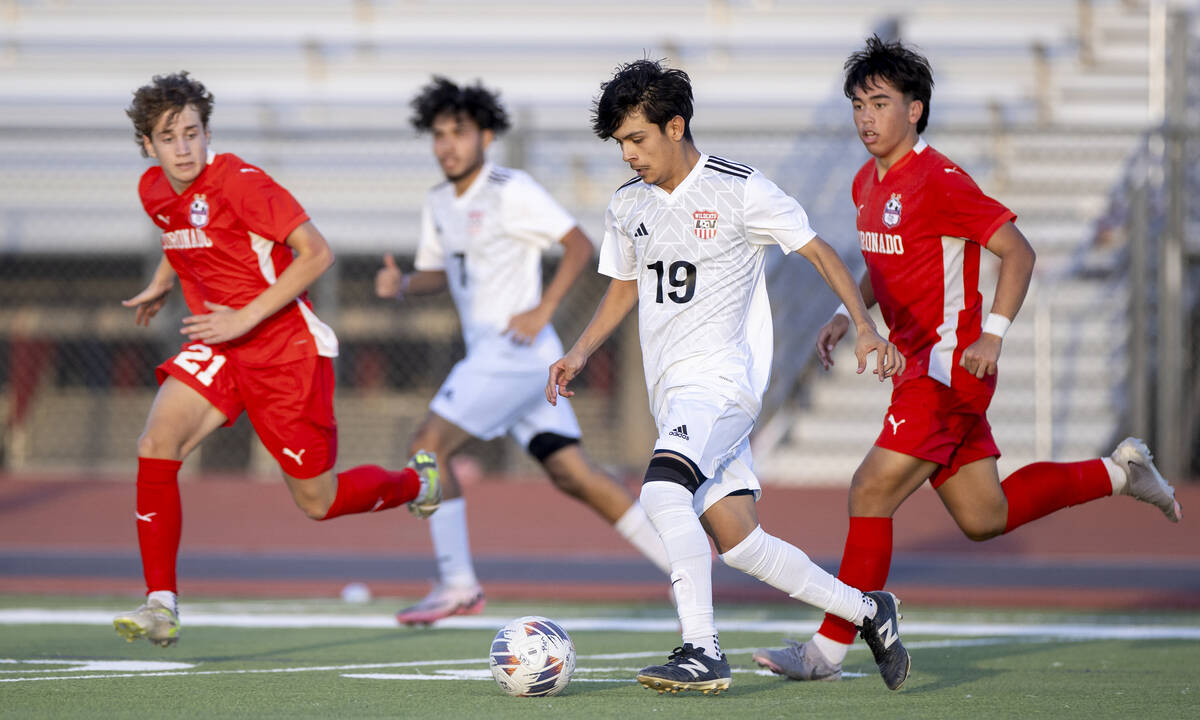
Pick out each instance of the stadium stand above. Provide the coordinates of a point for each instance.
(1042, 102)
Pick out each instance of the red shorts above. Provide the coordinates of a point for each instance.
(930, 421)
(290, 405)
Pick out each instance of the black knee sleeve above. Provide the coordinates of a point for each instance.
(670, 468)
(543, 445)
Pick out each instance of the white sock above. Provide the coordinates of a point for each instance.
(167, 598)
(448, 529)
(785, 566)
(669, 507)
(1118, 477)
(834, 651)
(635, 527)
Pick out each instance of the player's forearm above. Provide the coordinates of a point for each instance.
(304, 270)
(619, 299)
(866, 289)
(837, 276)
(164, 275)
(1017, 259)
(577, 251)
(425, 282)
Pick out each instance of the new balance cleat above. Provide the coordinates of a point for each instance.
(154, 621)
(687, 668)
(1143, 481)
(442, 602)
(882, 634)
(429, 497)
(798, 661)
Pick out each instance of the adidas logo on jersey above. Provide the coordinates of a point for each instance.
(641, 231)
(680, 432)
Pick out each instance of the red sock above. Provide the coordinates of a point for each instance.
(1041, 488)
(865, 565)
(159, 521)
(369, 488)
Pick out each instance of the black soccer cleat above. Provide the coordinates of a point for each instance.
(687, 668)
(882, 635)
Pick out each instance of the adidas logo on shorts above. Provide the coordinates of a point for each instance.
(680, 432)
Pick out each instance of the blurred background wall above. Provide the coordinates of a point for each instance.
(1083, 116)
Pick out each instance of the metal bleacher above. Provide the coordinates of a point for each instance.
(317, 94)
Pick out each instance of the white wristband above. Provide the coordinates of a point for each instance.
(841, 310)
(996, 325)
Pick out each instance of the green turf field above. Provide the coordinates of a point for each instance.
(59, 658)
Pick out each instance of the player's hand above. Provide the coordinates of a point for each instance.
(982, 356)
(889, 360)
(389, 281)
(829, 336)
(221, 325)
(524, 327)
(563, 371)
(148, 302)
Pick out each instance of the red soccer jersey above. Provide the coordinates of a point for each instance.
(225, 237)
(920, 229)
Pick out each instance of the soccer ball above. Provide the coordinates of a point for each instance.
(532, 657)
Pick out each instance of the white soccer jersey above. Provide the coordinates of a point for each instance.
(489, 242)
(697, 254)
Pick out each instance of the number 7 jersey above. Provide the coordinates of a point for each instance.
(697, 254)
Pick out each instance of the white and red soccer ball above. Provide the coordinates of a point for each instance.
(532, 657)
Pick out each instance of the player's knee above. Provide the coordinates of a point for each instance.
(569, 474)
(981, 527)
(152, 445)
(314, 508)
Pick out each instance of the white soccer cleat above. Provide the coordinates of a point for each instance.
(1143, 481)
(154, 621)
(442, 602)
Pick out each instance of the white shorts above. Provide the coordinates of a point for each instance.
(714, 433)
(501, 388)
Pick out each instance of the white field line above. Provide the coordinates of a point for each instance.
(36, 616)
(139, 669)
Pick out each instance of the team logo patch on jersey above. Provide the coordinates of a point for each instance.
(198, 212)
(475, 222)
(891, 211)
(706, 224)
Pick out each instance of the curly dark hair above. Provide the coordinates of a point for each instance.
(645, 86)
(474, 101)
(904, 69)
(166, 94)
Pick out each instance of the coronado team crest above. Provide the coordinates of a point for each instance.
(891, 211)
(706, 224)
(198, 212)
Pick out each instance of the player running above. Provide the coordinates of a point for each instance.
(685, 241)
(483, 232)
(921, 224)
(244, 252)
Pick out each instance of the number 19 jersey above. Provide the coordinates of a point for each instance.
(697, 254)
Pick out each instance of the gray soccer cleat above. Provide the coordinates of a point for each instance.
(798, 661)
(429, 497)
(882, 634)
(154, 621)
(1143, 479)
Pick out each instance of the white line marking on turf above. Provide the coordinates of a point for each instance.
(35, 616)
